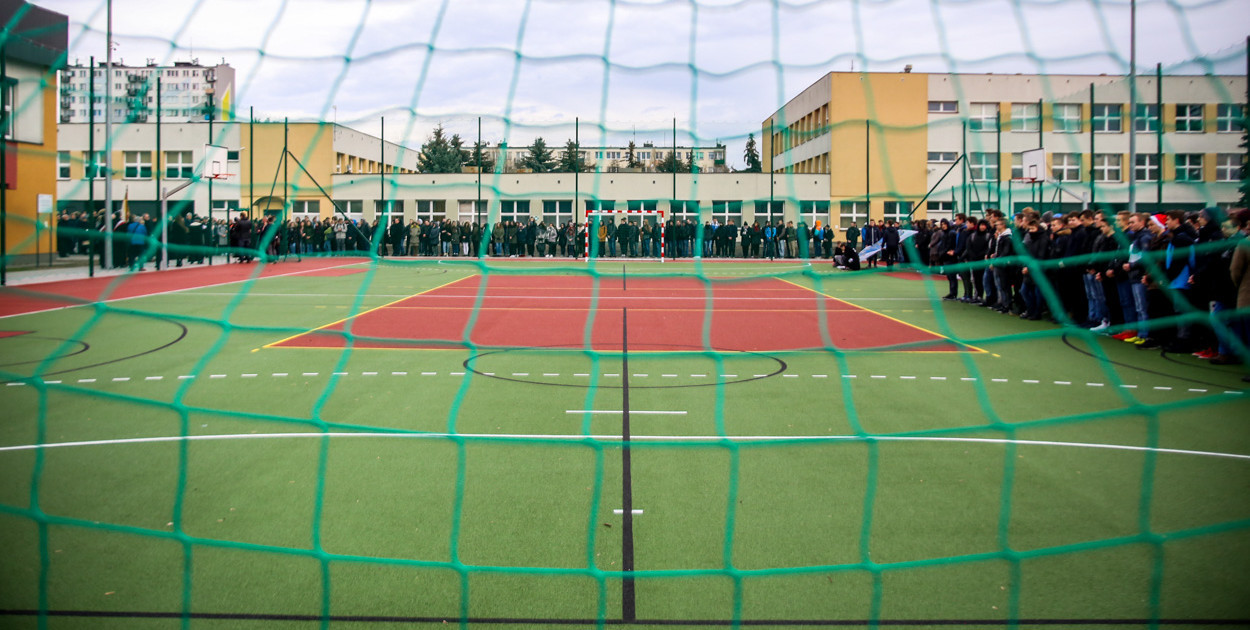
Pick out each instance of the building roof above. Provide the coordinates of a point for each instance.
(36, 35)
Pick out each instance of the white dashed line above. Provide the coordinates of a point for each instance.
(456, 374)
(668, 376)
(310, 373)
(728, 376)
(120, 379)
(937, 378)
(185, 377)
(641, 375)
(279, 374)
(248, 375)
(606, 375)
(790, 375)
(820, 376)
(698, 376)
(399, 374)
(1028, 380)
(217, 376)
(967, 378)
(1093, 384)
(339, 373)
(1063, 382)
(52, 382)
(549, 374)
(436, 374)
(1129, 386)
(514, 373)
(618, 511)
(760, 375)
(999, 380)
(86, 380)
(153, 378)
(877, 376)
(368, 373)
(848, 376)
(1200, 391)
(1163, 389)
(582, 375)
(908, 378)
(14, 384)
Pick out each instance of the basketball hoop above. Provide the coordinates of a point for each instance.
(216, 162)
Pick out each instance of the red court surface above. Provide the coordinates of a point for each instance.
(33, 298)
(331, 273)
(665, 314)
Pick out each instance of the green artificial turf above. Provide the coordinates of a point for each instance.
(390, 531)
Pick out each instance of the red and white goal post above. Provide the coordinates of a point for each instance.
(659, 234)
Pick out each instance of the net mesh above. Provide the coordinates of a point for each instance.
(803, 499)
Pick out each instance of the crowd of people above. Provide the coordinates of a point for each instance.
(1160, 279)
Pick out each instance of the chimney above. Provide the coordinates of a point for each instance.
(907, 69)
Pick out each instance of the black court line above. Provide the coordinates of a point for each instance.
(995, 623)
(627, 490)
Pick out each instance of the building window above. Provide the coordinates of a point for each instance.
(1025, 117)
(388, 209)
(1188, 167)
(852, 213)
(138, 164)
(309, 209)
(93, 166)
(983, 167)
(1107, 119)
(1067, 118)
(1228, 167)
(1107, 167)
(685, 210)
(1146, 168)
(557, 211)
(1147, 118)
(942, 157)
(983, 117)
(62, 164)
(352, 208)
(943, 107)
(1228, 118)
(725, 211)
(1066, 167)
(1189, 118)
(429, 210)
(178, 165)
(897, 210)
(514, 210)
(813, 211)
(940, 209)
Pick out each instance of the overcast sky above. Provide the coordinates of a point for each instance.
(627, 68)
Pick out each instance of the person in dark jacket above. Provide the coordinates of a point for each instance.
(1036, 247)
(890, 241)
(977, 249)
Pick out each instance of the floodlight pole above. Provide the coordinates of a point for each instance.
(210, 77)
(4, 177)
(108, 135)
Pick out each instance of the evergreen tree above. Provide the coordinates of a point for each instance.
(539, 159)
(457, 145)
(752, 156)
(672, 164)
(689, 166)
(631, 156)
(438, 155)
(571, 159)
(479, 156)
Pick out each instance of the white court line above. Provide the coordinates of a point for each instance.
(399, 374)
(631, 412)
(617, 438)
(136, 297)
(621, 511)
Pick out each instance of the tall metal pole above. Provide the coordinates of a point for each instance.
(1132, 106)
(867, 169)
(998, 157)
(477, 151)
(963, 172)
(251, 162)
(160, 194)
(4, 170)
(386, 216)
(1159, 136)
(108, 140)
(212, 106)
(1092, 190)
(91, 159)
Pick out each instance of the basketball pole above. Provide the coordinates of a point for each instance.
(1132, 108)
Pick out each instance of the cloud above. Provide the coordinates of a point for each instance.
(626, 68)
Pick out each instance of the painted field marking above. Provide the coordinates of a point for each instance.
(728, 376)
(153, 378)
(967, 378)
(618, 438)
(606, 375)
(877, 376)
(1027, 380)
(368, 373)
(620, 511)
(999, 380)
(820, 376)
(1099, 385)
(789, 375)
(514, 373)
(185, 377)
(1063, 382)
(618, 412)
(668, 376)
(86, 380)
(1129, 386)
(310, 373)
(456, 374)
(399, 374)
(641, 375)
(120, 379)
(549, 374)
(248, 375)
(15, 384)
(1200, 391)
(217, 376)
(1163, 389)
(848, 376)
(339, 373)
(698, 376)
(52, 382)
(279, 374)
(937, 378)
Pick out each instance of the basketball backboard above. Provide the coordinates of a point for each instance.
(216, 162)
(1033, 162)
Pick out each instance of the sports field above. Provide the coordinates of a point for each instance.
(353, 444)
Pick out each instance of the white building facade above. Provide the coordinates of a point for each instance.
(188, 92)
